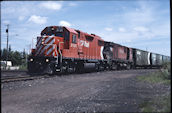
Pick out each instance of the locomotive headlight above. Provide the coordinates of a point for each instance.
(31, 59)
(47, 60)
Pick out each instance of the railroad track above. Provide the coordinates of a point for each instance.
(11, 76)
(23, 78)
(12, 79)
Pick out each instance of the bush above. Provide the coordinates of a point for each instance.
(166, 70)
(23, 67)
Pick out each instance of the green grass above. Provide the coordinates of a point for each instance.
(155, 77)
(23, 67)
(159, 103)
(161, 76)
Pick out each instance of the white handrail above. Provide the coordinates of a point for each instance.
(32, 42)
(60, 52)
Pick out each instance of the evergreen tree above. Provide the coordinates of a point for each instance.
(9, 49)
(16, 57)
(4, 54)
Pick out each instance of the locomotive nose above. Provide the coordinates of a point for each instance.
(59, 42)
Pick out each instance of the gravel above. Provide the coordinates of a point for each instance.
(109, 91)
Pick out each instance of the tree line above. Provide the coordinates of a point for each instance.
(16, 57)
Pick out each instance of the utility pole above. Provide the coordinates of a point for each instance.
(25, 55)
(7, 44)
(28, 48)
(146, 49)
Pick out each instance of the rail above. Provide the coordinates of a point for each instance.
(12, 76)
(22, 78)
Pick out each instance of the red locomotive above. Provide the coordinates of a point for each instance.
(63, 49)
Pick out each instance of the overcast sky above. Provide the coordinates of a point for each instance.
(143, 24)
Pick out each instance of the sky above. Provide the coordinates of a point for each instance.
(142, 24)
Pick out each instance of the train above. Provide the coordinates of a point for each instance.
(60, 49)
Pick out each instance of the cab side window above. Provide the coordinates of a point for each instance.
(73, 38)
(66, 35)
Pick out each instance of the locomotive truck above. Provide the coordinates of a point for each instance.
(63, 49)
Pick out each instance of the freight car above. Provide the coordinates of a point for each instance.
(141, 58)
(156, 60)
(165, 59)
(63, 49)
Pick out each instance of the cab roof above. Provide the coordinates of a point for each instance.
(71, 30)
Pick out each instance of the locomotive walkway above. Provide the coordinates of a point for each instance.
(109, 91)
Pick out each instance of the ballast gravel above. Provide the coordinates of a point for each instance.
(108, 91)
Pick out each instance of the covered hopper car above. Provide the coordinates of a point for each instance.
(141, 58)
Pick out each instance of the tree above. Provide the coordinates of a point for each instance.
(24, 55)
(4, 54)
(16, 58)
(1, 53)
(9, 48)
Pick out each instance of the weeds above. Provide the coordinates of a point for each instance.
(161, 76)
(160, 103)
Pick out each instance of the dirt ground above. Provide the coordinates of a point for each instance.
(109, 91)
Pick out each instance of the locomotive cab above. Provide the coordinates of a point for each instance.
(57, 33)
(54, 42)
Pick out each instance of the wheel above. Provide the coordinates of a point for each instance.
(49, 70)
(128, 66)
(79, 67)
(114, 67)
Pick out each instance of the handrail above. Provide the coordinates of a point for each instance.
(32, 43)
(60, 52)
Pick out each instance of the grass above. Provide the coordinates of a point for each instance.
(155, 77)
(160, 103)
(161, 76)
(23, 67)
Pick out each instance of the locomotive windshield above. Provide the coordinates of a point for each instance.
(53, 31)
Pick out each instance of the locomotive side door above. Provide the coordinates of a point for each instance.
(66, 39)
